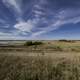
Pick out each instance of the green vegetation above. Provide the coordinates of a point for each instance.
(31, 43)
(64, 40)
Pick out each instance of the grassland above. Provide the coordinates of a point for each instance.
(52, 60)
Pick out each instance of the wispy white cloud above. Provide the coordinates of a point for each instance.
(37, 6)
(49, 28)
(30, 24)
(9, 36)
(14, 35)
(14, 4)
(37, 33)
(73, 20)
(39, 14)
(59, 21)
(24, 26)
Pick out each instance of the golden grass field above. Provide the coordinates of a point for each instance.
(52, 60)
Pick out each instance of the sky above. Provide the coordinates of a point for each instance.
(39, 19)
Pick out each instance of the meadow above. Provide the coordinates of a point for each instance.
(40, 60)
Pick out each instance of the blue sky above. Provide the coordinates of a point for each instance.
(39, 19)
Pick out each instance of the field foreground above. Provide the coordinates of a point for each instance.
(61, 63)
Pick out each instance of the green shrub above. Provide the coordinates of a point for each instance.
(37, 43)
(30, 43)
(63, 40)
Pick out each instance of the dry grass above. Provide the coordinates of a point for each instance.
(38, 63)
(39, 68)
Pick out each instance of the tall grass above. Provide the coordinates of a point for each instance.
(38, 68)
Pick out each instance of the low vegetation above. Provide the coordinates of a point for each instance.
(64, 40)
(38, 68)
(38, 61)
(54, 48)
(31, 43)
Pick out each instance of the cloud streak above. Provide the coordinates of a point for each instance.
(62, 19)
(14, 4)
(39, 17)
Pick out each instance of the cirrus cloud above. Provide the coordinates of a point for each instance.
(41, 17)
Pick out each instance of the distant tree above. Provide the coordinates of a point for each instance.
(30, 43)
(64, 40)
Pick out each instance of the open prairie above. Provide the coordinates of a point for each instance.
(40, 60)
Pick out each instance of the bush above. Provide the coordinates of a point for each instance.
(30, 43)
(63, 40)
(37, 43)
